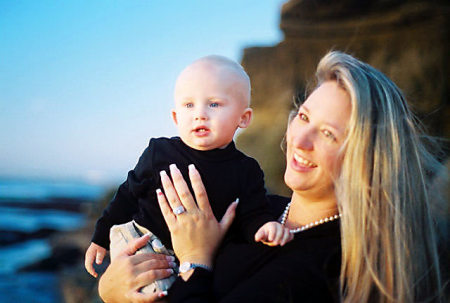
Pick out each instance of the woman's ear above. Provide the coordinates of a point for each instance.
(246, 118)
(174, 117)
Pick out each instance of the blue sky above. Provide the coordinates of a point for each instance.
(85, 84)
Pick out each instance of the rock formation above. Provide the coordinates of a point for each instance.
(407, 40)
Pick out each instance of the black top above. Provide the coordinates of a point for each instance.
(304, 270)
(227, 174)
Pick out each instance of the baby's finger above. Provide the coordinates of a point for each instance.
(88, 263)
(278, 235)
(287, 237)
(100, 256)
(260, 235)
(271, 234)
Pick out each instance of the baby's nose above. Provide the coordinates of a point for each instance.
(201, 115)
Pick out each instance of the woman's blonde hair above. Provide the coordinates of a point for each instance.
(389, 251)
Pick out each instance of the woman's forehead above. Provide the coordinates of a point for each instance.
(330, 104)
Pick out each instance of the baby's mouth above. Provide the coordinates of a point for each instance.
(201, 130)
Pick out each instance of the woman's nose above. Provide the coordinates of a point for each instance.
(303, 139)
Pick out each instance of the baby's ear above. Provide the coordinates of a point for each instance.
(174, 117)
(246, 118)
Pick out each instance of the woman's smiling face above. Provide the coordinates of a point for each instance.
(314, 138)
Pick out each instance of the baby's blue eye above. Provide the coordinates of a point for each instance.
(189, 105)
(215, 104)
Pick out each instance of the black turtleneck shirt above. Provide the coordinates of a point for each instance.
(226, 173)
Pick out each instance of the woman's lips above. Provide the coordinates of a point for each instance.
(301, 164)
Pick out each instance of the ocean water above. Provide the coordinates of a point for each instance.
(45, 189)
(20, 214)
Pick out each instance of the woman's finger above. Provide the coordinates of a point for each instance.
(134, 246)
(199, 190)
(154, 263)
(171, 194)
(182, 189)
(138, 297)
(165, 209)
(228, 217)
(145, 257)
(149, 276)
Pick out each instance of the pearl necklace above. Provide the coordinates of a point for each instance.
(307, 226)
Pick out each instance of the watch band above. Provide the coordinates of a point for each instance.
(187, 266)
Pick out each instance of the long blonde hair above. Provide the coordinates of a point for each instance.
(389, 251)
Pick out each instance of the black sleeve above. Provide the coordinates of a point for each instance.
(253, 209)
(198, 289)
(125, 202)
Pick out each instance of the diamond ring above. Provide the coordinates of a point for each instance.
(179, 210)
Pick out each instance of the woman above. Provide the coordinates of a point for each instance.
(360, 208)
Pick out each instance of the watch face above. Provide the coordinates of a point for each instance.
(185, 266)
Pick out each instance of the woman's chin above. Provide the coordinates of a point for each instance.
(294, 181)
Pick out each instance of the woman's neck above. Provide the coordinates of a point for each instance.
(305, 210)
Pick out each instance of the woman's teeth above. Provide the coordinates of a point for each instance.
(303, 161)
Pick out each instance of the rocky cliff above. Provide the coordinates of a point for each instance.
(407, 40)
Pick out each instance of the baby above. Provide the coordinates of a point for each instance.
(212, 97)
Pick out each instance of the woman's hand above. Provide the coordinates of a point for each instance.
(128, 273)
(195, 233)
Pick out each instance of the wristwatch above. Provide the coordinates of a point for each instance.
(187, 266)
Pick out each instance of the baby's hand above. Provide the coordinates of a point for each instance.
(94, 252)
(273, 234)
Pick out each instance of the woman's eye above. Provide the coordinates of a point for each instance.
(303, 117)
(189, 105)
(214, 104)
(329, 135)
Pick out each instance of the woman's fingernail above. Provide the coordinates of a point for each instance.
(191, 167)
(170, 271)
(157, 244)
(172, 167)
(162, 173)
(172, 264)
(236, 201)
(159, 192)
(170, 258)
(162, 294)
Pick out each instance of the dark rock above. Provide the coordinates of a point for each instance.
(406, 40)
(61, 257)
(11, 237)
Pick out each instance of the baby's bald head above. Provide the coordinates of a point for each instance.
(227, 72)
